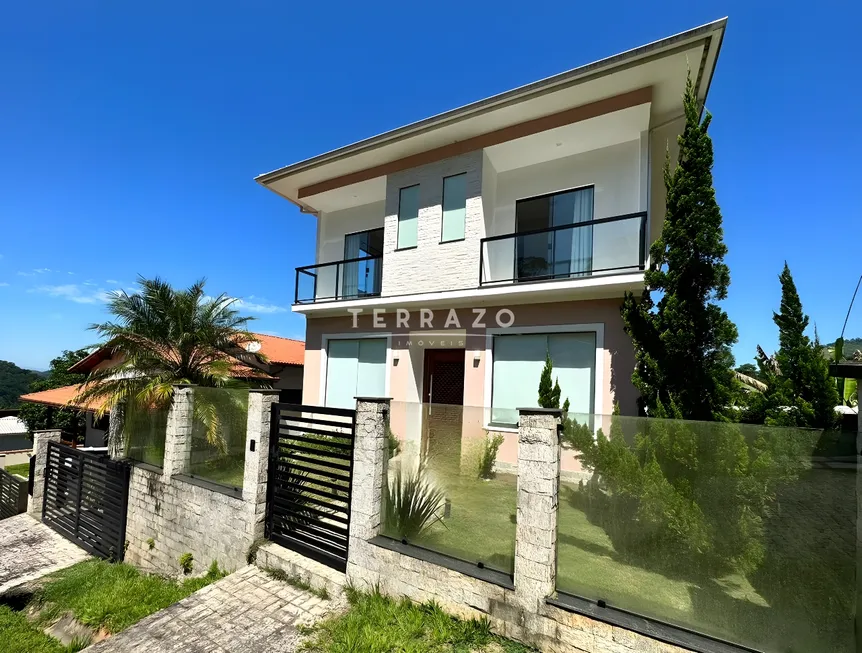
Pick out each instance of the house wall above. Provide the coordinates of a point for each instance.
(407, 357)
(432, 265)
(617, 176)
(94, 437)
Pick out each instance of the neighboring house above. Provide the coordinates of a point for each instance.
(490, 235)
(283, 370)
(13, 434)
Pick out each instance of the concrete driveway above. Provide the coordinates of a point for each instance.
(30, 550)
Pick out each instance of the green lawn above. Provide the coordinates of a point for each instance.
(111, 596)
(377, 624)
(481, 524)
(21, 636)
(21, 470)
(228, 471)
(100, 595)
(802, 598)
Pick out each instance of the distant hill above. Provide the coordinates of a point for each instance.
(14, 381)
(850, 346)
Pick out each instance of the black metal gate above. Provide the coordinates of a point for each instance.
(86, 498)
(310, 471)
(13, 494)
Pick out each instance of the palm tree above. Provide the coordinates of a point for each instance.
(166, 337)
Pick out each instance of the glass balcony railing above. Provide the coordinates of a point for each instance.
(604, 246)
(350, 279)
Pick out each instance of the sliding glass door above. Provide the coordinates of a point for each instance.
(558, 250)
(362, 278)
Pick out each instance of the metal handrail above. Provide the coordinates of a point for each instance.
(642, 215)
(338, 268)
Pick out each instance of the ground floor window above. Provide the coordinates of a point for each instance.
(517, 366)
(355, 368)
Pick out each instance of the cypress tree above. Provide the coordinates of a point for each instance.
(549, 393)
(800, 391)
(682, 343)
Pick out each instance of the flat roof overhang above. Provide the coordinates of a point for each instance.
(846, 370)
(654, 73)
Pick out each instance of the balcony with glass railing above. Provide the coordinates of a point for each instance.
(614, 245)
(354, 278)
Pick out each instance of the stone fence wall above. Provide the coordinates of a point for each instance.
(171, 513)
(518, 611)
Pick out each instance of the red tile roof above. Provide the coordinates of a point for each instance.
(60, 397)
(282, 351)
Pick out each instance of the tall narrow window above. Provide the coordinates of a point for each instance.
(454, 207)
(408, 216)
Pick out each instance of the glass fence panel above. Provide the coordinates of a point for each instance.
(498, 261)
(744, 533)
(617, 245)
(451, 483)
(218, 435)
(305, 281)
(144, 430)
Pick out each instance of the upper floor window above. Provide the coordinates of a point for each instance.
(362, 277)
(554, 245)
(454, 207)
(408, 216)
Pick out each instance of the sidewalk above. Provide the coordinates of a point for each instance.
(243, 613)
(30, 550)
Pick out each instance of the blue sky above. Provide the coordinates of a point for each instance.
(130, 135)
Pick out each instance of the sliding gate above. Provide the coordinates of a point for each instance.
(86, 497)
(310, 470)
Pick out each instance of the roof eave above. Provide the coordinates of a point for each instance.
(521, 92)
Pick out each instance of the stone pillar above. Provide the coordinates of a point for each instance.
(116, 435)
(538, 484)
(370, 455)
(178, 438)
(40, 452)
(255, 475)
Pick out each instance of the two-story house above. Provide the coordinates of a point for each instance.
(455, 253)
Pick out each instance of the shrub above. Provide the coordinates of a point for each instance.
(488, 455)
(393, 442)
(699, 488)
(187, 563)
(412, 504)
(151, 543)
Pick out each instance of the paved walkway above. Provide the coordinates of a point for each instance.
(30, 550)
(246, 612)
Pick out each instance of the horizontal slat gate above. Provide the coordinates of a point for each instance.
(13, 494)
(310, 472)
(86, 498)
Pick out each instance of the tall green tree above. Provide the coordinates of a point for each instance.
(40, 416)
(166, 337)
(800, 391)
(682, 343)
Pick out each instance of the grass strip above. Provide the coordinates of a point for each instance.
(378, 624)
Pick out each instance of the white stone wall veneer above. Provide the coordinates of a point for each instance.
(434, 266)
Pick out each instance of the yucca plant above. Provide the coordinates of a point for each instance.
(412, 504)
